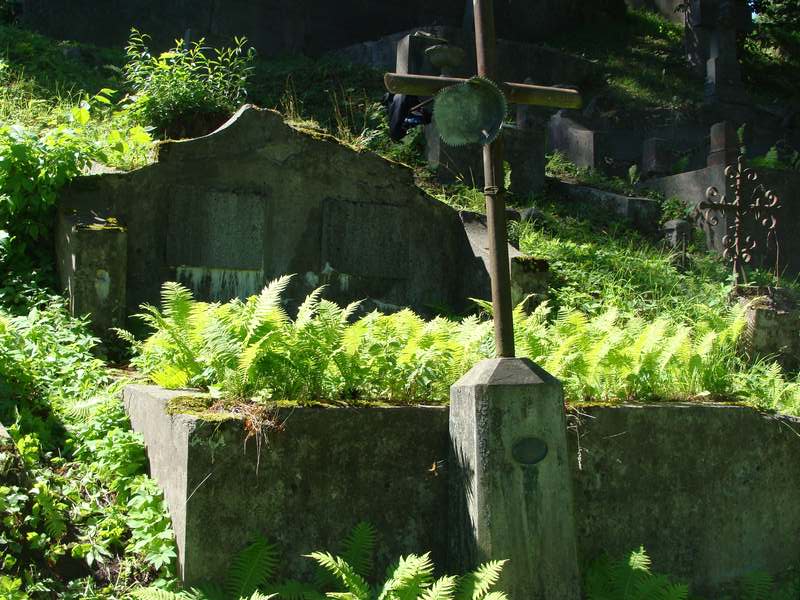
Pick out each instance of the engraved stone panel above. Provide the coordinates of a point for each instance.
(218, 229)
(365, 239)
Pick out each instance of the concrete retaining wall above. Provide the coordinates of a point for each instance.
(709, 490)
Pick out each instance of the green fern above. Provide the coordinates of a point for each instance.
(476, 585)
(631, 578)
(251, 568)
(409, 578)
(757, 585)
(359, 548)
(355, 585)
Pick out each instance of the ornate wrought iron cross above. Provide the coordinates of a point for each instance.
(761, 207)
(419, 85)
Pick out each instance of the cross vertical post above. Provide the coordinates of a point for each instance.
(494, 183)
(494, 178)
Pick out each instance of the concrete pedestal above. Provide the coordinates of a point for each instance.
(511, 494)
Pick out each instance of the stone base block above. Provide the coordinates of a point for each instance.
(511, 495)
(92, 259)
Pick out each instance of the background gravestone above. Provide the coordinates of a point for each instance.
(226, 213)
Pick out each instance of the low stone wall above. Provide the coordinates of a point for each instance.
(319, 474)
(709, 490)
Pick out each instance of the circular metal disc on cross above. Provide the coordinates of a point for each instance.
(470, 113)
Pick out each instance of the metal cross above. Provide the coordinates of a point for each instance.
(761, 208)
(420, 85)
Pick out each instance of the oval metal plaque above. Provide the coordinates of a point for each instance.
(529, 451)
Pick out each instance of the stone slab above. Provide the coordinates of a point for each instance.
(641, 213)
(709, 490)
(304, 485)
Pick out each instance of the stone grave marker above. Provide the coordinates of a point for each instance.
(226, 213)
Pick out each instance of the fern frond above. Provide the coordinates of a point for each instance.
(309, 306)
(259, 596)
(171, 377)
(639, 560)
(495, 596)
(756, 585)
(251, 568)
(441, 589)
(410, 576)
(268, 309)
(358, 548)
(344, 573)
(475, 585)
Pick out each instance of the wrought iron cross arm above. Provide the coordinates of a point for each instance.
(517, 93)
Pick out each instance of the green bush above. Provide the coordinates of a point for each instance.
(84, 521)
(185, 82)
(36, 164)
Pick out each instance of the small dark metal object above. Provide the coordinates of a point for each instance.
(420, 85)
(751, 202)
(529, 451)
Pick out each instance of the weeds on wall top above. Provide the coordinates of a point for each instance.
(190, 81)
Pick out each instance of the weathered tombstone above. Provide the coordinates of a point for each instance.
(656, 157)
(581, 145)
(677, 233)
(712, 30)
(512, 491)
(724, 144)
(773, 327)
(228, 212)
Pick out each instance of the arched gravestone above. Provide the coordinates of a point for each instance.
(258, 199)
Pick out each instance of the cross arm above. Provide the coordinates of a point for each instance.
(517, 93)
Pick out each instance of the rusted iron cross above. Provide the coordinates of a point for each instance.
(761, 207)
(420, 85)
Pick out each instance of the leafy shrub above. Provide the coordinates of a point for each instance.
(35, 165)
(185, 82)
(345, 576)
(85, 518)
(32, 168)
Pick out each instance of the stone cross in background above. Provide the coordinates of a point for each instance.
(421, 85)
